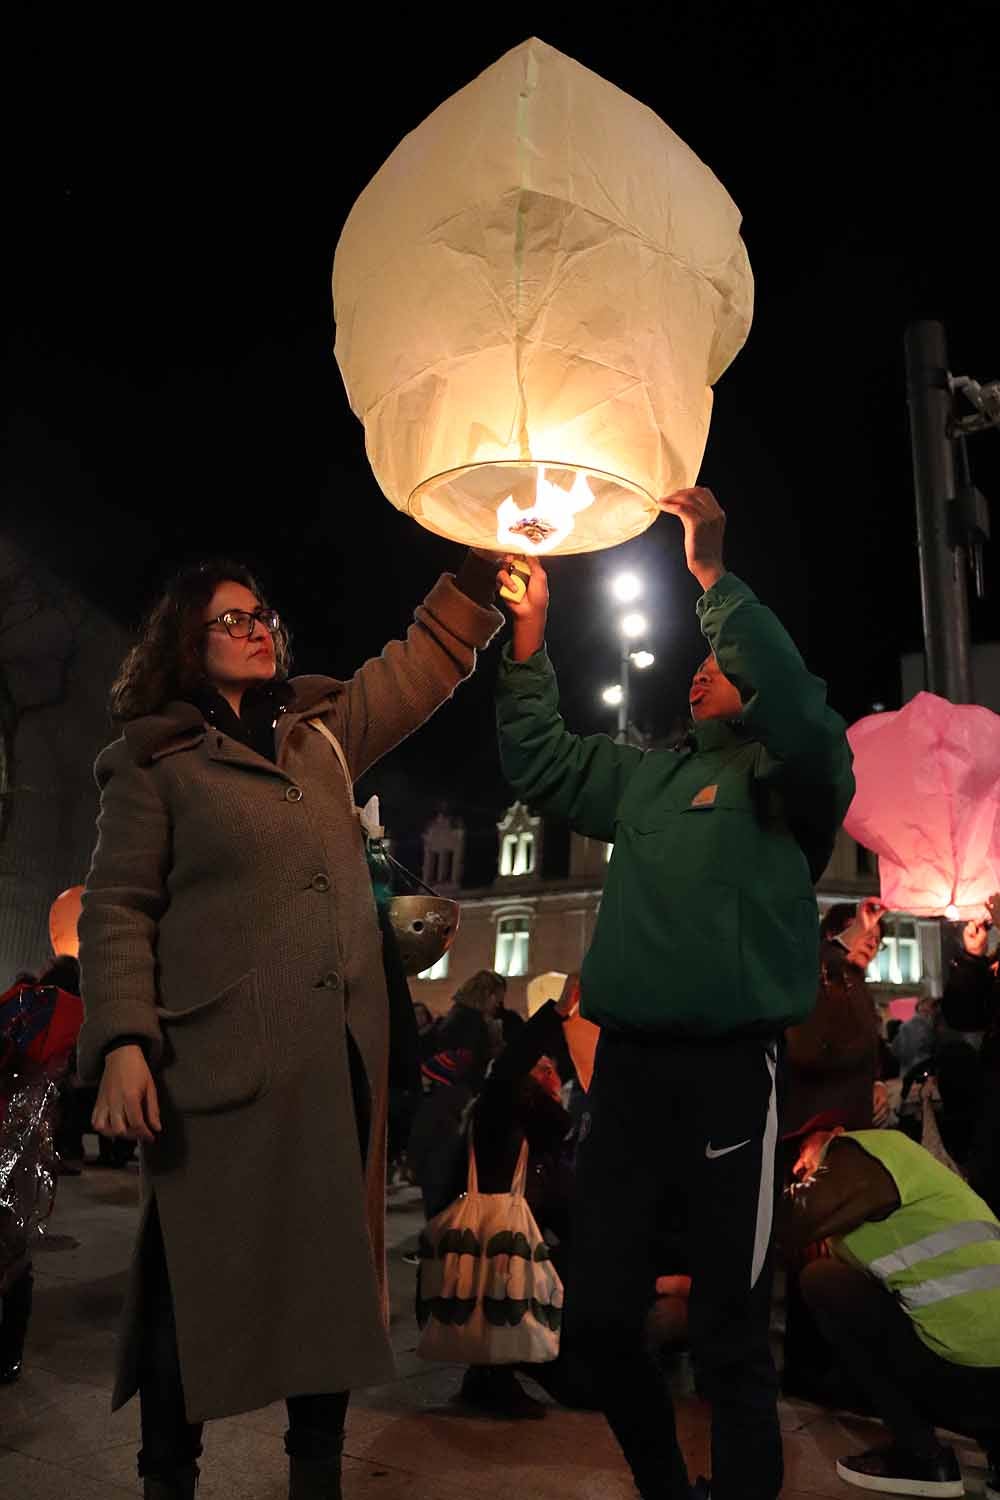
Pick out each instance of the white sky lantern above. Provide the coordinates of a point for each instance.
(534, 296)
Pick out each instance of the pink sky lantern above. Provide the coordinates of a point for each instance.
(928, 804)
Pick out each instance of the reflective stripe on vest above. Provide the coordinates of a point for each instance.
(952, 1238)
(975, 1279)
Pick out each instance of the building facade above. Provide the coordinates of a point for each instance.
(525, 924)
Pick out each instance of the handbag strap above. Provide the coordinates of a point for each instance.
(521, 1170)
(338, 751)
(472, 1176)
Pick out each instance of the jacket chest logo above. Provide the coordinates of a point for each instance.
(706, 797)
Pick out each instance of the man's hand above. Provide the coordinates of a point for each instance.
(975, 934)
(531, 612)
(704, 523)
(127, 1106)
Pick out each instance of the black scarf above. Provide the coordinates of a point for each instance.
(255, 723)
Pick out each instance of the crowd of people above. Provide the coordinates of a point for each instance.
(248, 1030)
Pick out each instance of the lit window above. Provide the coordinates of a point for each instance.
(517, 854)
(898, 960)
(438, 970)
(512, 947)
(508, 854)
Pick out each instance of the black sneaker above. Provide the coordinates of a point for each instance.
(896, 1471)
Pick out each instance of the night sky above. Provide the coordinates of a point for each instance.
(177, 196)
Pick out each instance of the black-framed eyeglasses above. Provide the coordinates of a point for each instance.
(239, 623)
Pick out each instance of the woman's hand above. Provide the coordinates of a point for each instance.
(127, 1106)
(704, 523)
(531, 611)
(976, 934)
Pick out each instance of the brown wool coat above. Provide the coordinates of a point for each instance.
(229, 921)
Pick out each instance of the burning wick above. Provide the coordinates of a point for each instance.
(532, 529)
(546, 523)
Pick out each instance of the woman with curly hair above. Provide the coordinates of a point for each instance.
(236, 1010)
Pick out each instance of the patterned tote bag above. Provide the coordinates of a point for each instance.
(487, 1291)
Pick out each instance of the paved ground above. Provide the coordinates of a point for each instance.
(405, 1441)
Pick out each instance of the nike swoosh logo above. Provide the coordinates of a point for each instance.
(712, 1153)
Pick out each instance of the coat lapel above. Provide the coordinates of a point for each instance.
(232, 753)
(313, 697)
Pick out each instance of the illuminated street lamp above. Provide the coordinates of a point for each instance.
(613, 696)
(632, 626)
(626, 588)
(642, 659)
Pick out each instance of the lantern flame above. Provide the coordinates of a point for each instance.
(546, 523)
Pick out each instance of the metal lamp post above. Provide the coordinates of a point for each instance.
(952, 516)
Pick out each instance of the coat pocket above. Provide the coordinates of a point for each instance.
(213, 1056)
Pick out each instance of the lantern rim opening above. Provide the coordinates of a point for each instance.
(472, 518)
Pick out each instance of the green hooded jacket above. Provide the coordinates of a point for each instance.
(708, 923)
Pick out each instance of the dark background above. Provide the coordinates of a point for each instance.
(175, 188)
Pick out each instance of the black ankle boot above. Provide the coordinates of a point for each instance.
(314, 1479)
(180, 1485)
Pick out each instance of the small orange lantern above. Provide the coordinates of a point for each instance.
(64, 914)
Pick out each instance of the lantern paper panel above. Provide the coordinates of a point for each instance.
(928, 804)
(533, 298)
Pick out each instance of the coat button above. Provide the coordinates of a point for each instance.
(331, 981)
(293, 794)
(321, 882)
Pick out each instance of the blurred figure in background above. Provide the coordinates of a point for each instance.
(464, 1041)
(970, 1006)
(39, 1025)
(832, 1057)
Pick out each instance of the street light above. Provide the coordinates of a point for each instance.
(642, 659)
(633, 626)
(626, 588)
(613, 696)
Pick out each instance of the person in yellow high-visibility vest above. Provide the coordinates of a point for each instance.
(904, 1281)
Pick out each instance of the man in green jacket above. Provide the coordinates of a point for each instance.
(706, 948)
